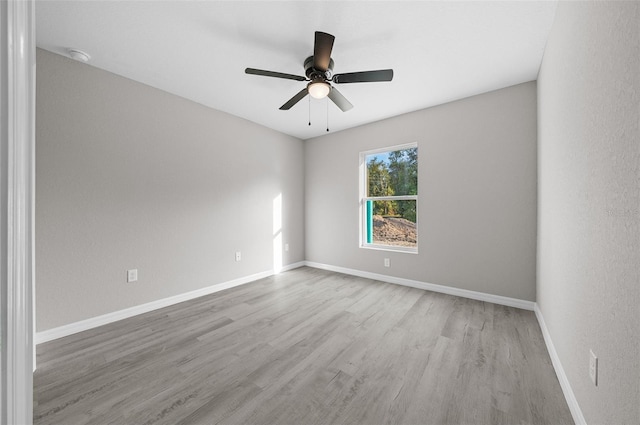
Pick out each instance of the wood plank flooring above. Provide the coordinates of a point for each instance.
(305, 347)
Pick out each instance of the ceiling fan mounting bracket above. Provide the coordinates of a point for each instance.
(314, 74)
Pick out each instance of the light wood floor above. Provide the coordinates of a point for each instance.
(305, 347)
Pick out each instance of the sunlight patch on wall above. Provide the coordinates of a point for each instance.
(277, 233)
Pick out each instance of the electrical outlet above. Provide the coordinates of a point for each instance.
(387, 262)
(238, 256)
(132, 275)
(593, 368)
(286, 247)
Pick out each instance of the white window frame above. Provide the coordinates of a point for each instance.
(363, 198)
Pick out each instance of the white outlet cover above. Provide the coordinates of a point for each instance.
(132, 275)
(238, 256)
(387, 262)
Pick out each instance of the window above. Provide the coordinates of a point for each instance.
(389, 198)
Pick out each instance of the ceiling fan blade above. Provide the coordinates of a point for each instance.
(273, 74)
(295, 99)
(364, 76)
(340, 101)
(322, 50)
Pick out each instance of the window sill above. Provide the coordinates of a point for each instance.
(391, 248)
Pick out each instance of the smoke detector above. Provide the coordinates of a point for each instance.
(78, 55)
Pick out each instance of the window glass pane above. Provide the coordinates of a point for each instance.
(392, 223)
(393, 173)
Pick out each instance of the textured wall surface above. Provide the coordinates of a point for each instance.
(132, 177)
(477, 194)
(589, 205)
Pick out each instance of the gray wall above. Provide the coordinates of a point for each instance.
(132, 177)
(589, 203)
(477, 194)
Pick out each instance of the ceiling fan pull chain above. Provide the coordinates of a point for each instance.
(309, 110)
(327, 102)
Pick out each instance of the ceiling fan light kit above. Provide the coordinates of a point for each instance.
(318, 89)
(319, 72)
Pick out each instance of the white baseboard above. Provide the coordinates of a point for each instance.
(293, 266)
(574, 407)
(465, 293)
(104, 319)
(94, 322)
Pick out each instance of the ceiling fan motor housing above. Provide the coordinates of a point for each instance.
(314, 74)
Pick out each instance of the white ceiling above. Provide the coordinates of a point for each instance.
(439, 51)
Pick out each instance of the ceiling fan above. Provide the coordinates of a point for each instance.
(319, 72)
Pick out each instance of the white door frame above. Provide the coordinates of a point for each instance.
(17, 188)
